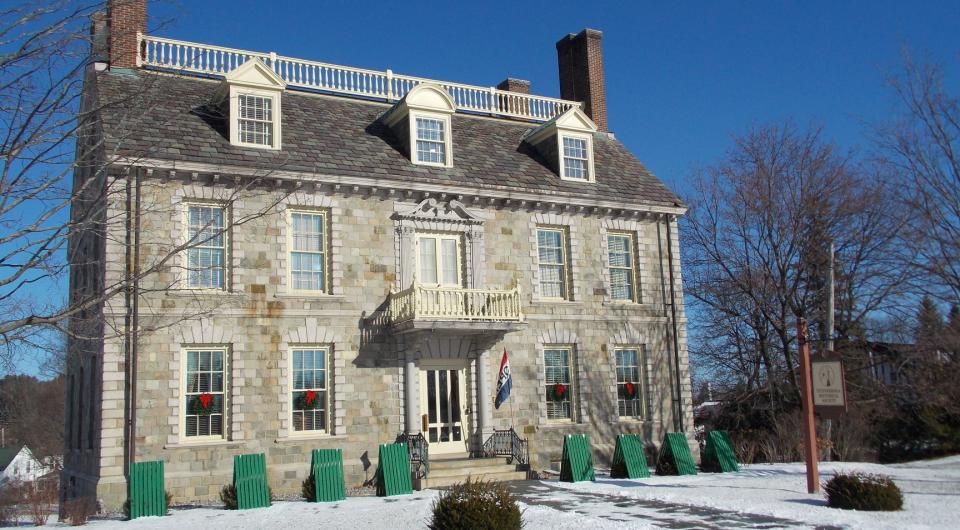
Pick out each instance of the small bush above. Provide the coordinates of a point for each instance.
(476, 505)
(41, 496)
(859, 491)
(665, 465)
(126, 504)
(79, 510)
(229, 497)
(309, 490)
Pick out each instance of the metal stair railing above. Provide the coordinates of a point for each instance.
(508, 443)
(419, 453)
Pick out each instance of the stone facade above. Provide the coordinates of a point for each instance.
(259, 318)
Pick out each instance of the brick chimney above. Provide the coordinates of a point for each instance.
(580, 58)
(124, 19)
(514, 85)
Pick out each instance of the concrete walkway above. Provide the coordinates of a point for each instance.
(658, 513)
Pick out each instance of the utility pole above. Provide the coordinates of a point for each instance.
(830, 331)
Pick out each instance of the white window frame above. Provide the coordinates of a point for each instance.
(631, 238)
(226, 273)
(588, 140)
(325, 252)
(274, 95)
(327, 394)
(440, 237)
(565, 263)
(570, 384)
(184, 403)
(641, 383)
(447, 141)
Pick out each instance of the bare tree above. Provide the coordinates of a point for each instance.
(757, 235)
(66, 187)
(923, 145)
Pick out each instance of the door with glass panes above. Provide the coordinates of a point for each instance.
(443, 401)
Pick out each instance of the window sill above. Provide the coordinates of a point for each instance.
(204, 443)
(203, 292)
(300, 438)
(557, 301)
(558, 424)
(628, 305)
(310, 296)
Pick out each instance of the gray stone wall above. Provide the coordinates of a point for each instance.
(259, 318)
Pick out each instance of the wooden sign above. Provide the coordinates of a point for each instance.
(829, 386)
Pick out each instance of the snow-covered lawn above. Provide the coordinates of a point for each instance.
(748, 498)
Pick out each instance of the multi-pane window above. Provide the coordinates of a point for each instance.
(207, 253)
(431, 141)
(557, 388)
(308, 266)
(309, 390)
(256, 119)
(204, 399)
(551, 248)
(439, 256)
(630, 387)
(622, 268)
(575, 158)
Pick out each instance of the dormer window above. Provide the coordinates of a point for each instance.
(421, 120)
(431, 141)
(576, 158)
(251, 97)
(566, 142)
(256, 120)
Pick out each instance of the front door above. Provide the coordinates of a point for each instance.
(442, 404)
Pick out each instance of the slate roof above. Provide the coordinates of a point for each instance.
(172, 120)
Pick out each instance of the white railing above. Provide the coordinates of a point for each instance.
(449, 303)
(169, 54)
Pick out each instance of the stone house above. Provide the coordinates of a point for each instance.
(340, 257)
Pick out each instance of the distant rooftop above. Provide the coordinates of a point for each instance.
(215, 61)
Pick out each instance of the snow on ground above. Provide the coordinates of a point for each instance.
(931, 493)
(767, 496)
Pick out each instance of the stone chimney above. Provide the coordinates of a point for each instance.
(514, 85)
(124, 19)
(580, 58)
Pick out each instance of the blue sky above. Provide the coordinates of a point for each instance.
(682, 77)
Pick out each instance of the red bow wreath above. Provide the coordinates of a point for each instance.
(202, 405)
(559, 390)
(630, 390)
(308, 400)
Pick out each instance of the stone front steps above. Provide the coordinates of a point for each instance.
(449, 471)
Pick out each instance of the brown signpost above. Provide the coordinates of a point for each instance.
(809, 425)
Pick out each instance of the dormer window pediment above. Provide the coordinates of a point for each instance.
(251, 95)
(567, 143)
(421, 120)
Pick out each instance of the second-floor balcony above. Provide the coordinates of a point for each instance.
(420, 306)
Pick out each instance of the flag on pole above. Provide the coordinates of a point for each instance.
(504, 381)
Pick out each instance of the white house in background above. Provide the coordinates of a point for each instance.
(19, 464)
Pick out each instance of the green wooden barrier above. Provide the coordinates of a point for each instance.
(628, 458)
(250, 479)
(393, 471)
(577, 462)
(675, 457)
(326, 466)
(146, 492)
(718, 455)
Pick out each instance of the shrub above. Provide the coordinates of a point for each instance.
(308, 489)
(229, 497)
(79, 510)
(476, 505)
(859, 491)
(41, 496)
(126, 504)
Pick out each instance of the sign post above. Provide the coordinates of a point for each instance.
(809, 425)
